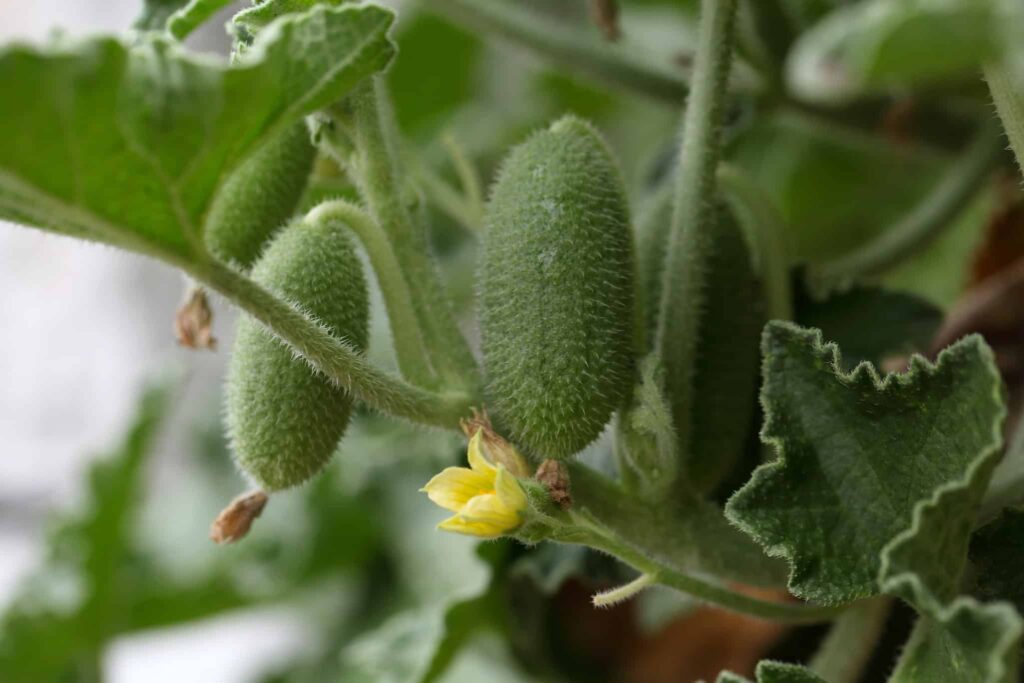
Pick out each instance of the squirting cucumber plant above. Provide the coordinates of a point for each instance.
(738, 324)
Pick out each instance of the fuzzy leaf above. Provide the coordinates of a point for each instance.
(774, 672)
(857, 453)
(129, 146)
(259, 16)
(192, 16)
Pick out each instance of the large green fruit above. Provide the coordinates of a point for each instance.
(260, 197)
(283, 419)
(556, 299)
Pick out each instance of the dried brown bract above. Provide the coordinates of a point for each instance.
(554, 475)
(234, 522)
(193, 323)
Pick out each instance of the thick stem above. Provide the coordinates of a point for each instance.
(573, 50)
(1008, 94)
(926, 221)
(688, 245)
(333, 357)
(469, 176)
(847, 649)
(380, 184)
(405, 328)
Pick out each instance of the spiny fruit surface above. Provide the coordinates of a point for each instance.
(284, 420)
(556, 299)
(260, 197)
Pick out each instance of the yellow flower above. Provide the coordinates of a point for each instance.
(487, 500)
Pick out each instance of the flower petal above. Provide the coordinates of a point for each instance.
(461, 526)
(453, 487)
(490, 510)
(509, 490)
(477, 460)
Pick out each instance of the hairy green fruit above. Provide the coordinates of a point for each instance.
(557, 290)
(283, 419)
(260, 197)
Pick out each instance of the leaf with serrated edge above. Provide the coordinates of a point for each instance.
(774, 672)
(856, 453)
(129, 146)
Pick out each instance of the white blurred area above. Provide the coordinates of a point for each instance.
(84, 327)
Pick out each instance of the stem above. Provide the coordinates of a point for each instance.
(405, 328)
(469, 177)
(793, 613)
(847, 649)
(378, 177)
(575, 51)
(615, 596)
(926, 221)
(333, 357)
(688, 246)
(766, 236)
(448, 199)
(1008, 95)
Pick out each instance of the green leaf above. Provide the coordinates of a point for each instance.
(774, 672)
(857, 453)
(262, 14)
(192, 16)
(872, 45)
(870, 323)
(155, 13)
(964, 642)
(129, 146)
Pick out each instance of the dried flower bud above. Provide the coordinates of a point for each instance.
(193, 323)
(554, 475)
(605, 14)
(234, 522)
(498, 450)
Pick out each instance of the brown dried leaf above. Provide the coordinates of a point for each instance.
(234, 522)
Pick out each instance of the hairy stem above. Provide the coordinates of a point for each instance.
(405, 328)
(380, 183)
(926, 221)
(576, 51)
(693, 209)
(1008, 94)
(331, 356)
(847, 649)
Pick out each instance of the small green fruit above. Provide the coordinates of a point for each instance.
(284, 420)
(557, 290)
(260, 197)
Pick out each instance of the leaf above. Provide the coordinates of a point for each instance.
(155, 13)
(192, 16)
(129, 146)
(872, 45)
(856, 453)
(774, 672)
(45, 636)
(870, 323)
(964, 642)
(263, 13)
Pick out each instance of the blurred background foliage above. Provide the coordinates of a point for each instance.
(385, 597)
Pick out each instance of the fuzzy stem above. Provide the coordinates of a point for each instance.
(847, 649)
(333, 357)
(406, 333)
(379, 180)
(688, 245)
(1008, 94)
(458, 207)
(926, 221)
(572, 50)
(615, 596)
(469, 176)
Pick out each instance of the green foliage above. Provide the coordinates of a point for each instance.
(556, 301)
(775, 672)
(259, 197)
(857, 453)
(284, 419)
(147, 183)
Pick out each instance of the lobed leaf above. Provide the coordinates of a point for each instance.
(129, 145)
(857, 453)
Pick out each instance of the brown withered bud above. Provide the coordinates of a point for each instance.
(193, 323)
(498, 450)
(554, 475)
(234, 522)
(605, 15)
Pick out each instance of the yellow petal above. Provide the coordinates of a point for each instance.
(461, 526)
(489, 509)
(476, 457)
(509, 490)
(456, 486)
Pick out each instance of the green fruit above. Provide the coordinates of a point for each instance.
(556, 304)
(284, 420)
(260, 197)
